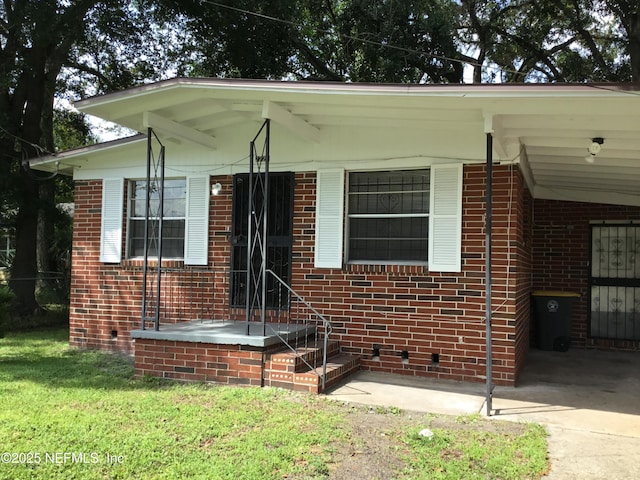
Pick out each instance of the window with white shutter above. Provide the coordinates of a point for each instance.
(329, 218)
(185, 220)
(197, 221)
(445, 220)
(111, 223)
(393, 217)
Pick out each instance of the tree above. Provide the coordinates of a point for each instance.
(410, 40)
(356, 40)
(627, 13)
(400, 42)
(553, 41)
(48, 47)
(70, 130)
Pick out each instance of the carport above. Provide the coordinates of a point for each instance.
(579, 158)
(581, 164)
(593, 389)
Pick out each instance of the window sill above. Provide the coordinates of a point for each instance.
(405, 268)
(409, 263)
(152, 262)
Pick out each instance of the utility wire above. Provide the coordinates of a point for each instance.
(387, 45)
(40, 148)
(25, 163)
(347, 36)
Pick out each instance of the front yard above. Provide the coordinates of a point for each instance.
(74, 414)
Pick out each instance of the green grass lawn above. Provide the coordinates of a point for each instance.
(67, 414)
(478, 453)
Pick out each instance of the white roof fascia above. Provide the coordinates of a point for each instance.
(442, 90)
(45, 163)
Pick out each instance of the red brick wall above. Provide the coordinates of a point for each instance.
(106, 299)
(203, 362)
(398, 308)
(394, 308)
(561, 234)
(521, 270)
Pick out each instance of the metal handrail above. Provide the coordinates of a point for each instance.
(326, 323)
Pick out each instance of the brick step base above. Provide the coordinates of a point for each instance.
(339, 366)
(243, 365)
(309, 354)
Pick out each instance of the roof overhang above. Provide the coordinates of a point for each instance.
(65, 162)
(547, 128)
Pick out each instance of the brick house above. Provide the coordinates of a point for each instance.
(377, 211)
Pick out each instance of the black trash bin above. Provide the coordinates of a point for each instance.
(552, 313)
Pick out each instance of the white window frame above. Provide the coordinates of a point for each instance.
(349, 216)
(445, 218)
(131, 218)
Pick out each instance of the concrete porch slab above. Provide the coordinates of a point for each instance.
(409, 393)
(227, 333)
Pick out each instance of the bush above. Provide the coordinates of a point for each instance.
(6, 297)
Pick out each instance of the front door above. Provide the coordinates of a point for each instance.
(279, 210)
(615, 281)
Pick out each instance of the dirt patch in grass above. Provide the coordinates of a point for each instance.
(376, 446)
(374, 450)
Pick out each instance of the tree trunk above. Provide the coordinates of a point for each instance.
(46, 217)
(24, 269)
(47, 191)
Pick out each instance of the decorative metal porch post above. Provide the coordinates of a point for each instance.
(257, 229)
(488, 225)
(153, 235)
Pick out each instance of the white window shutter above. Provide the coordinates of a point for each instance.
(329, 218)
(196, 240)
(445, 218)
(111, 224)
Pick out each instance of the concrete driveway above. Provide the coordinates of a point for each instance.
(588, 400)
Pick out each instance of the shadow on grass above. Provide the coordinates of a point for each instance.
(44, 357)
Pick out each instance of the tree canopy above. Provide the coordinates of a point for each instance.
(48, 48)
(410, 40)
(72, 49)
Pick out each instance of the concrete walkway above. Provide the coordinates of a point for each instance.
(588, 400)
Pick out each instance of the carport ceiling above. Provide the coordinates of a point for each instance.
(556, 151)
(547, 128)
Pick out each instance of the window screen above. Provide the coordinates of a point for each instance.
(388, 214)
(173, 225)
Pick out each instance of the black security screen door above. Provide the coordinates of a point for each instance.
(279, 236)
(615, 281)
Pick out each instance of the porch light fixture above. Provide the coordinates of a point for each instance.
(216, 188)
(594, 149)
